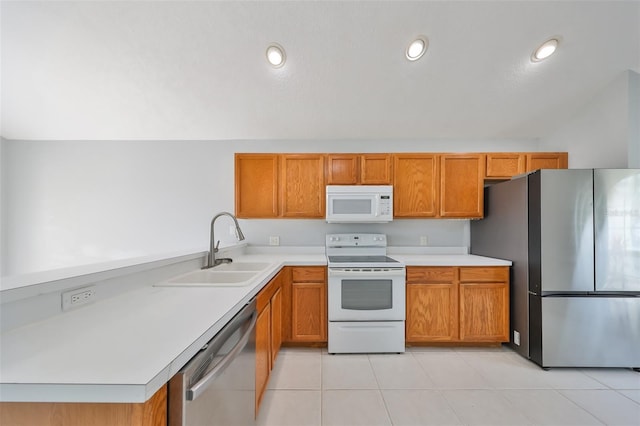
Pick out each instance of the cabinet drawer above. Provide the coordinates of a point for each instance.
(308, 274)
(428, 274)
(475, 274)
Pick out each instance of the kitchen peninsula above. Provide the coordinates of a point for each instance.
(124, 349)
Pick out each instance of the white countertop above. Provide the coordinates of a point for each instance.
(124, 348)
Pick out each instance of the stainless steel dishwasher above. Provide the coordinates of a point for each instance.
(217, 386)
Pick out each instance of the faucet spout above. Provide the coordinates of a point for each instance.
(213, 247)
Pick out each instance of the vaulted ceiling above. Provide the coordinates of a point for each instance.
(197, 69)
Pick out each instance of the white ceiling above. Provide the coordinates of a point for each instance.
(197, 70)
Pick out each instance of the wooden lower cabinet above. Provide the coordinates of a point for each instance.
(150, 413)
(484, 304)
(432, 305)
(263, 352)
(308, 304)
(268, 333)
(276, 325)
(457, 304)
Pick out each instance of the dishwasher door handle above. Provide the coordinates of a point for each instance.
(197, 389)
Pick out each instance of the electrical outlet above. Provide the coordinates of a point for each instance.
(232, 231)
(423, 240)
(77, 297)
(516, 337)
(274, 241)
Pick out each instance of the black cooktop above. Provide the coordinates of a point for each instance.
(361, 259)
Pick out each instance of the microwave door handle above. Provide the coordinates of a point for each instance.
(377, 205)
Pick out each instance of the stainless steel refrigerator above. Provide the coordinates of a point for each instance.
(574, 239)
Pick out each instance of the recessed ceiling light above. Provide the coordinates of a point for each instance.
(276, 55)
(416, 48)
(545, 50)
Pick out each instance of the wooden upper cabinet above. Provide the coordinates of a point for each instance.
(415, 185)
(504, 165)
(461, 185)
(359, 169)
(302, 185)
(256, 188)
(375, 169)
(547, 160)
(342, 169)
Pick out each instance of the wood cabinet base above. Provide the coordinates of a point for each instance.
(151, 413)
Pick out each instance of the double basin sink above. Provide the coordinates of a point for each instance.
(235, 274)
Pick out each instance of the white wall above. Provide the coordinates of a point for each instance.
(3, 215)
(600, 134)
(73, 203)
(634, 120)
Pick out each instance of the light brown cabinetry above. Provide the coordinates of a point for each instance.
(484, 304)
(425, 185)
(434, 185)
(308, 304)
(268, 332)
(279, 185)
(416, 182)
(263, 351)
(432, 305)
(302, 185)
(359, 169)
(457, 304)
(150, 413)
(505, 165)
(461, 185)
(547, 160)
(257, 185)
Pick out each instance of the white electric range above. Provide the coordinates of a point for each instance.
(366, 295)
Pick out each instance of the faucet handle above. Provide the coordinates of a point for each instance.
(215, 250)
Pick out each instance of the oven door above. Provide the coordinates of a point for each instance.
(366, 294)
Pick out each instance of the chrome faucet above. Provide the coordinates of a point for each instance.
(213, 249)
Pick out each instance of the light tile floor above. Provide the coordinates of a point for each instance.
(443, 386)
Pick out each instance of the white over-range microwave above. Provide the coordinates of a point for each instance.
(359, 203)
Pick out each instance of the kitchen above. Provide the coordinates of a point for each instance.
(71, 163)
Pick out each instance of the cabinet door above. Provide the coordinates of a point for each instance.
(342, 169)
(504, 165)
(256, 186)
(263, 338)
(415, 185)
(432, 304)
(276, 325)
(308, 304)
(309, 316)
(375, 169)
(484, 304)
(547, 160)
(461, 185)
(302, 185)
